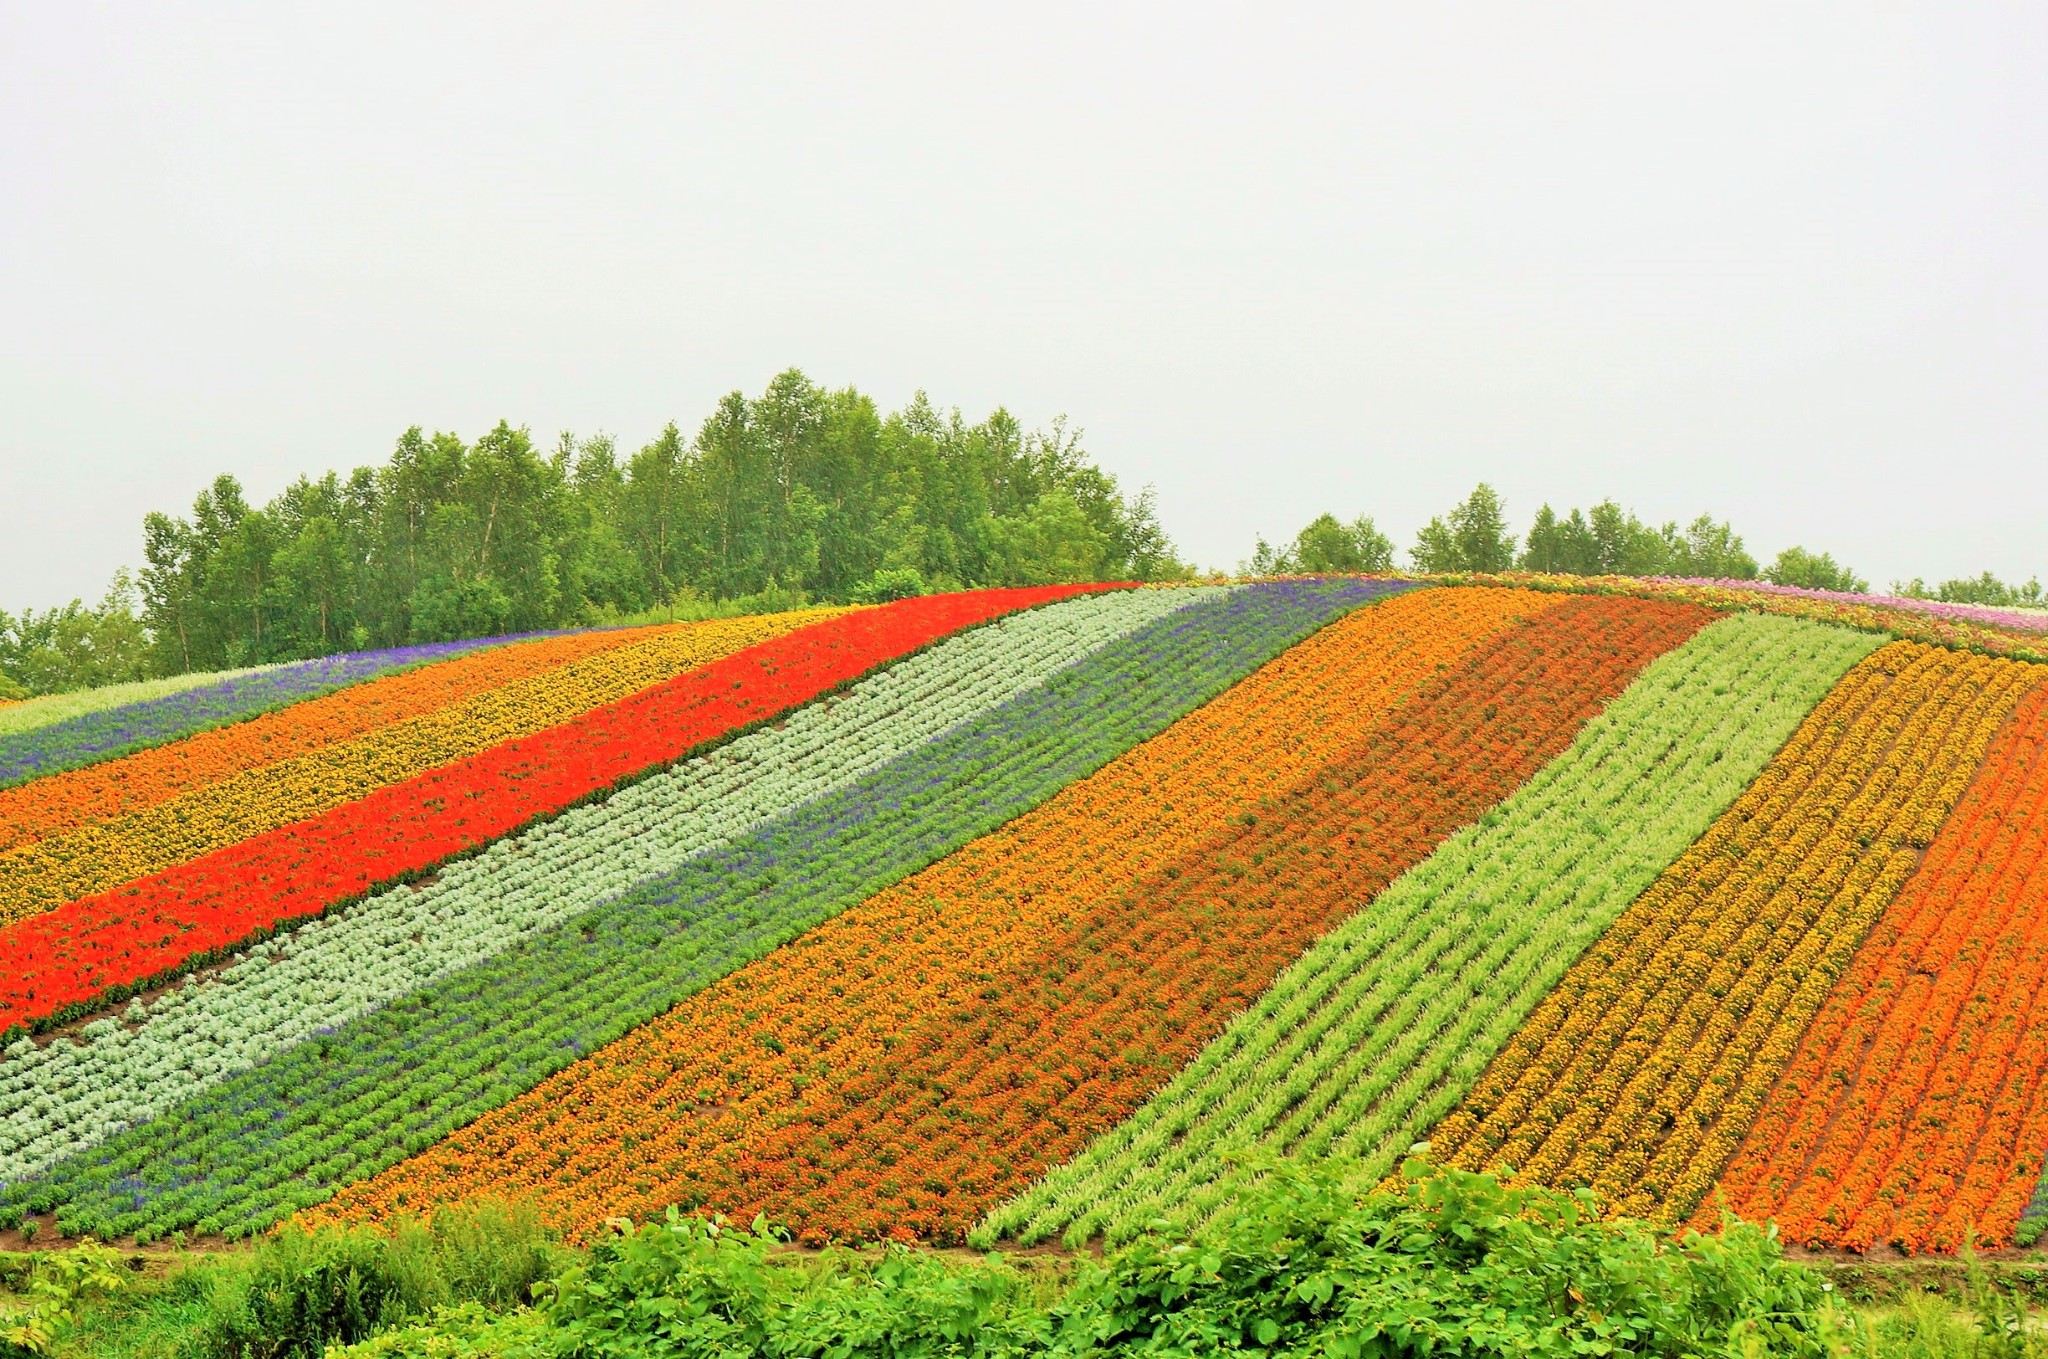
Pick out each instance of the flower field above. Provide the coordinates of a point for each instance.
(167, 768)
(1368, 1039)
(66, 1096)
(833, 1102)
(1912, 1112)
(69, 731)
(1045, 914)
(1641, 1071)
(123, 822)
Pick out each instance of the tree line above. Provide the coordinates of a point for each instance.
(800, 494)
(1605, 540)
(803, 493)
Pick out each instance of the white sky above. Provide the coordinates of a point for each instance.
(1784, 263)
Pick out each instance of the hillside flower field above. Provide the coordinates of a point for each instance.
(1052, 915)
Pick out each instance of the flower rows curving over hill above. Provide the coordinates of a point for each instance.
(1048, 914)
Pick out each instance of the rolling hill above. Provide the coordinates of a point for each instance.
(1045, 914)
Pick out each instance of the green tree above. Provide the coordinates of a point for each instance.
(237, 587)
(1797, 566)
(311, 588)
(597, 564)
(1325, 545)
(168, 606)
(1624, 545)
(1709, 549)
(1052, 541)
(421, 475)
(1560, 546)
(801, 492)
(75, 646)
(657, 509)
(1986, 589)
(1472, 537)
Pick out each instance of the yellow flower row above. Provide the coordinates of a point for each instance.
(43, 875)
(1640, 1073)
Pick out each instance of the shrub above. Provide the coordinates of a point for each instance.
(1441, 1263)
(303, 1290)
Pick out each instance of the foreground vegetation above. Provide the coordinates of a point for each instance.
(1442, 1263)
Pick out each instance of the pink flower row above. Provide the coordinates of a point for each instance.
(1967, 613)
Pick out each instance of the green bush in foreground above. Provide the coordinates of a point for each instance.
(1443, 1264)
(1447, 1263)
(291, 1297)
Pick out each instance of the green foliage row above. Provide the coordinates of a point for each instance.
(1443, 1263)
(1446, 1264)
(292, 1296)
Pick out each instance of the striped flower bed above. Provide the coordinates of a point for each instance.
(884, 1076)
(61, 1098)
(1050, 914)
(347, 1104)
(77, 733)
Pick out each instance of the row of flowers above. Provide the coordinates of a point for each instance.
(59, 1098)
(70, 731)
(1968, 613)
(124, 938)
(905, 1065)
(59, 803)
(1639, 1074)
(352, 1102)
(46, 710)
(224, 804)
(1864, 612)
(1374, 1033)
(1914, 1110)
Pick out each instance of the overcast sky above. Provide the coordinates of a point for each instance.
(1784, 263)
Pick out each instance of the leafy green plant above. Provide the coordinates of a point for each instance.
(59, 1283)
(1447, 1263)
(301, 1291)
(1444, 1263)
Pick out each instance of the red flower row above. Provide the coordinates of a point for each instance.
(57, 962)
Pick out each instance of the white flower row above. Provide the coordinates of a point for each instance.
(60, 1098)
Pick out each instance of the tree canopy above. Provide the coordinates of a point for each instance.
(1814, 571)
(802, 492)
(1325, 545)
(1474, 536)
(1985, 589)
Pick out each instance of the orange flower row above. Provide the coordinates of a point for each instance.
(1915, 1111)
(64, 802)
(685, 1109)
(1646, 1066)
